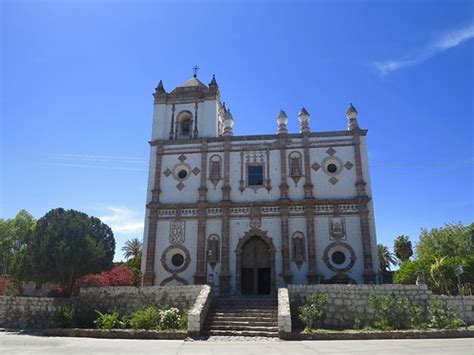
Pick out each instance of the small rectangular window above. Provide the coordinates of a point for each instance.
(255, 175)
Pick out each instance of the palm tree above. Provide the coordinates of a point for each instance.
(132, 248)
(386, 258)
(403, 248)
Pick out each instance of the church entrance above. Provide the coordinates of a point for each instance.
(256, 267)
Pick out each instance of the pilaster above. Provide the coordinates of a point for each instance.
(200, 275)
(149, 274)
(369, 274)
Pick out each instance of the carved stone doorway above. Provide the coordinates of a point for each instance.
(255, 265)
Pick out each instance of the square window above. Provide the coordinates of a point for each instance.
(255, 175)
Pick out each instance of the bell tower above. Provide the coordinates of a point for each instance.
(192, 110)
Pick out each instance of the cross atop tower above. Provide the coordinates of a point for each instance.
(195, 70)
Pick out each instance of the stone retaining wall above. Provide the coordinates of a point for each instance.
(127, 299)
(284, 314)
(29, 312)
(349, 302)
(38, 312)
(197, 314)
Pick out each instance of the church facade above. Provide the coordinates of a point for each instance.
(249, 214)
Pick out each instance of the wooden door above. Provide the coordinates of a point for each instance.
(256, 268)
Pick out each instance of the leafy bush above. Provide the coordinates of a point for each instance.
(390, 312)
(64, 317)
(312, 311)
(145, 318)
(170, 318)
(120, 275)
(443, 315)
(109, 321)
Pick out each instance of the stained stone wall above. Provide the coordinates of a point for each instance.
(348, 302)
(29, 312)
(38, 312)
(127, 299)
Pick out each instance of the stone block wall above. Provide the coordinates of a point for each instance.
(284, 313)
(197, 314)
(29, 312)
(127, 299)
(349, 302)
(38, 312)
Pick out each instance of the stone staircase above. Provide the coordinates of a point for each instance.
(242, 316)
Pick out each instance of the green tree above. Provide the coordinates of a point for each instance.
(67, 245)
(386, 258)
(439, 252)
(14, 235)
(403, 248)
(132, 248)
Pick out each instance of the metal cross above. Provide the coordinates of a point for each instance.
(195, 70)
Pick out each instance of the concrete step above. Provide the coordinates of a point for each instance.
(244, 327)
(239, 322)
(243, 318)
(243, 314)
(248, 333)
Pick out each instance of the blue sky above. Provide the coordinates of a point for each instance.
(77, 77)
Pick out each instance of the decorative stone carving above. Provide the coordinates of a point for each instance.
(167, 172)
(347, 257)
(295, 166)
(337, 229)
(315, 166)
(177, 230)
(348, 165)
(298, 249)
(213, 250)
(255, 223)
(331, 151)
(215, 167)
(182, 158)
(333, 180)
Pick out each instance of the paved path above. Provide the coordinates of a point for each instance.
(11, 343)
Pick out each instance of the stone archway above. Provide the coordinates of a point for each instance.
(257, 241)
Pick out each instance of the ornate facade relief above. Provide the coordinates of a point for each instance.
(337, 229)
(255, 170)
(215, 168)
(339, 257)
(213, 250)
(298, 253)
(177, 232)
(295, 166)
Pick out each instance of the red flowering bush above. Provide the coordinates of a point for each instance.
(120, 275)
(3, 284)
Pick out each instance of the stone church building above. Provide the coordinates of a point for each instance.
(249, 214)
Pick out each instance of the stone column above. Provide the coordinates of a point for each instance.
(284, 213)
(369, 274)
(285, 244)
(308, 185)
(200, 275)
(149, 274)
(224, 278)
(310, 232)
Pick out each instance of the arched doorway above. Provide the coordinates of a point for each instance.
(255, 265)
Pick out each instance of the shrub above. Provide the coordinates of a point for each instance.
(390, 312)
(170, 318)
(109, 321)
(64, 317)
(145, 318)
(443, 315)
(120, 275)
(312, 311)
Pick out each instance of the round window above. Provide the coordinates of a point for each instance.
(332, 168)
(338, 257)
(177, 260)
(182, 174)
